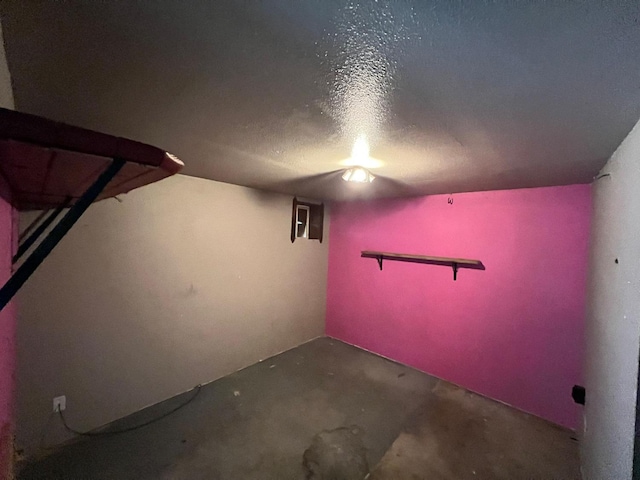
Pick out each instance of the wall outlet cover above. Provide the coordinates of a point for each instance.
(59, 403)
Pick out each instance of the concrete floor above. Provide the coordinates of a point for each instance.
(257, 424)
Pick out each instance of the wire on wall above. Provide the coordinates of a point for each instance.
(197, 389)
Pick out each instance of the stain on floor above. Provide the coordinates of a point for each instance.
(257, 424)
(457, 434)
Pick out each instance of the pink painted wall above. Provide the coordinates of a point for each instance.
(513, 332)
(7, 337)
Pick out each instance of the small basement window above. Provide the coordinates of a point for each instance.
(302, 221)
(307, 220)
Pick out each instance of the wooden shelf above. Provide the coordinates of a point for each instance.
(454, 263)
(50, 165)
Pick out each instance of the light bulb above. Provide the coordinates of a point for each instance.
(358, 175)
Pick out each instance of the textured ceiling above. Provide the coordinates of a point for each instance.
(451, 95)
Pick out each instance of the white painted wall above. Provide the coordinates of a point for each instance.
(185, 281)
(613, 320)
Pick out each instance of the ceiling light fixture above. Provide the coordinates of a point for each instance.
(359, 156)
(358, 175)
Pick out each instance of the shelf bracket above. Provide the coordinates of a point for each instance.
(379, 261)
(49, 242)
(454, 265)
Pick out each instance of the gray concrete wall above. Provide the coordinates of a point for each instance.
(183, 282)
(613, 319)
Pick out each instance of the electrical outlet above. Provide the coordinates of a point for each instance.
(59, 403)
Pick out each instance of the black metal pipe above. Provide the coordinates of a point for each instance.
(25, 270)
(26, 245)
